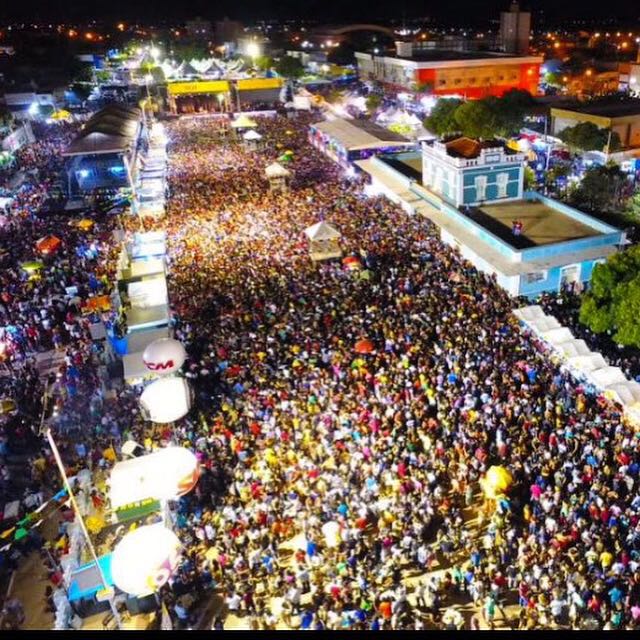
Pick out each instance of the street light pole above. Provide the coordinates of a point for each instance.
(74, 504)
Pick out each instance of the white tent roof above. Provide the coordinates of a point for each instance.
(252, 134)
(558, 336)
(546, 323)
(588, 362)
(606, 376)
(574, 348)
(532, 312)
(322, 231)
(355, 135)
(626, 393)
(243, 122)
(276, 170)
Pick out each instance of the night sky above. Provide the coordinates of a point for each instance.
(463, 11)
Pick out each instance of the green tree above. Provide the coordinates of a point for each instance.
(613, 302)
(290, 67)
(633, 207)
(553, 79)
(510, 110)
(602, 189)
(190, 51)
(477, 119)
(373, 101)
(529, 178)
(441, 120)
(263, 63)
(586, 136)
(425, 87)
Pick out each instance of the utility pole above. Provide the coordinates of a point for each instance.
(74, 504)
(608, 147)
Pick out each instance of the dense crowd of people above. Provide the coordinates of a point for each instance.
(345, 412)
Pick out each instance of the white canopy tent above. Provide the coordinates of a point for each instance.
(324, 241)
(582, 361)
(574, 348)
(243, 122)
(606, 376)
(557, 336)
(252, 134)
(527, 314)
(541, 325)
(278, 177)
(587, 363)
(626, 393)
(322, 231)
(276, 170)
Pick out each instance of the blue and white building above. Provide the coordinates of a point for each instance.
(474, 193)
(464, 171)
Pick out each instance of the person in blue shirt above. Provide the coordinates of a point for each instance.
(306, 619)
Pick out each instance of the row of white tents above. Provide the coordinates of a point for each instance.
(581, 361)
(152, 175)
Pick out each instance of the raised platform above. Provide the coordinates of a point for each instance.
(541, 224)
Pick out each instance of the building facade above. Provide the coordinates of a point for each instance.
(621, 117)
(515, 29)
(470, 75)
(465, 172)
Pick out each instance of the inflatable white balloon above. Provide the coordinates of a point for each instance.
(163, 475)
(165, 355)
(145, 559)
(166, 400)
(331, 532)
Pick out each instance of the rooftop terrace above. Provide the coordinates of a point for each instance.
(541, 224)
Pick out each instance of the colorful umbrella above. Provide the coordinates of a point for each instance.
(351, 262)
(364, 346)
(48, 245)
(85, 224)
(31, 266)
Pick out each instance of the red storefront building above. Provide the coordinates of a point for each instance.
(461, 73)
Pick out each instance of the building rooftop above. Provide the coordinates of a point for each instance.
(445, 55)
(360, 134)
(470, 148)
(607, 109)
(541, 224)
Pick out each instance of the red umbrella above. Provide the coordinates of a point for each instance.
(364, 346)
(48, 245)
(351, 261)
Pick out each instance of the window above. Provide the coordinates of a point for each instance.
(457, 81)
(442, 81)
(534, 276)
(481, 188)
(502, 179)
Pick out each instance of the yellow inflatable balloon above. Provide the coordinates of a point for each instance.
(497, 480)
(95, 524)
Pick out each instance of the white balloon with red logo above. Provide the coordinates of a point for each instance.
(145, 559)
(165, 355)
